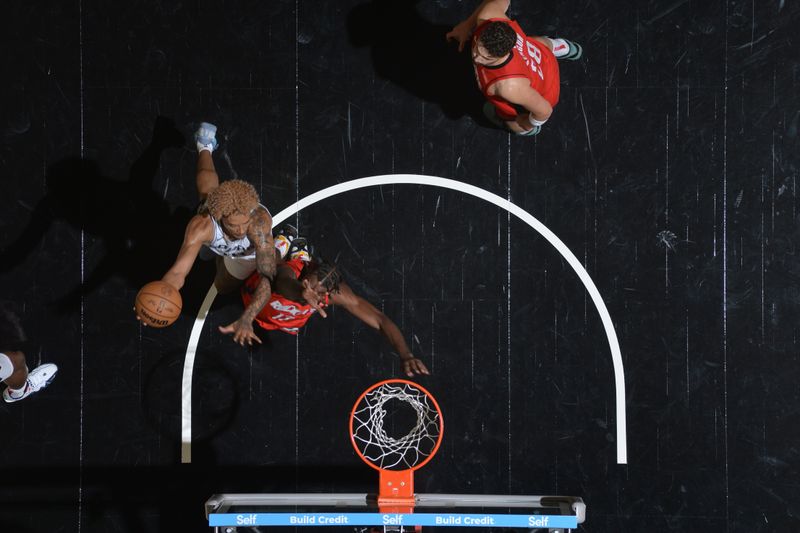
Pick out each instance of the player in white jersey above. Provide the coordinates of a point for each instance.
(13, 367)
(232, 224)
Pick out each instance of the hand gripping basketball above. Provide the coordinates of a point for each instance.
(158, 304)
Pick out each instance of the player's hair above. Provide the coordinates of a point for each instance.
(12, 338)
(327, 273)
(498, 38)
(230, 198)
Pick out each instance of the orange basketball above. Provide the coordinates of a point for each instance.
(158, 304)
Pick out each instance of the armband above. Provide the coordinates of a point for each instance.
(536, 122)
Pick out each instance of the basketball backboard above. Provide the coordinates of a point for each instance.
(396, 427)
(244, 513)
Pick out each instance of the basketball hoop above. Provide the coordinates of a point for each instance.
(396, 427)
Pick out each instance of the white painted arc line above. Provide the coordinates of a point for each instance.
(415, 179)
(188, 371)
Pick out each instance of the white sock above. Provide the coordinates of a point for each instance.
(560, 47)
(16, 393)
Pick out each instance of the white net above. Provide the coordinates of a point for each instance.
(393, 407)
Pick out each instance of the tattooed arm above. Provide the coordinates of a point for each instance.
(371, 316)
(242, 329)
(260, 234)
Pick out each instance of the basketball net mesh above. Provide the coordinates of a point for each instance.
(388, 452)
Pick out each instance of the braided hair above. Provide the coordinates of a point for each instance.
(328, 274)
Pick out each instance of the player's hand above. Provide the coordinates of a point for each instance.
(412, 366)
(522, 125)
(242, 331)
(142, 322)
(314, 299)
(461, 33)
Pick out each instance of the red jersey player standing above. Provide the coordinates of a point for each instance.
(517, 74)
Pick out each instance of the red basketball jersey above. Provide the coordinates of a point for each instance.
(529, 59)
(280, 312)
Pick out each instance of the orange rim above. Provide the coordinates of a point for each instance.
(416, 386)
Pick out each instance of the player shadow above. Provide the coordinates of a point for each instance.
(215, 395)
(133, 226)
(413, 53)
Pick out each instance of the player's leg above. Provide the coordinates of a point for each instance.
(207, 178)
(289, 245)
(13, 370)
(22, 383)
(300, 249)
(490, 112)
(231, 273)
(562, 48)
(283, 240)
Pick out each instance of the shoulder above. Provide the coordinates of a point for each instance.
(261, 220)
(289, 269)
(260, 214)
(200, 227)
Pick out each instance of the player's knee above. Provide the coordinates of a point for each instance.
(17, 360)
(545, 112)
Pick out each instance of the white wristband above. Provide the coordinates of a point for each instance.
(536, 122)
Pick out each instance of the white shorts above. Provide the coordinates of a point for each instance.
(239, 268)
(6, 367)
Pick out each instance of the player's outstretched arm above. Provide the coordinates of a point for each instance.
(260, 234)
(370, 315)
(198, 232)
(488, 9)
(242, 328)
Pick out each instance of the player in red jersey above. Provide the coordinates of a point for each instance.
(304, 288)
(517, 74)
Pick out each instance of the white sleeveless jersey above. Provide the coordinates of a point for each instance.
(222, 245)
(6, 367)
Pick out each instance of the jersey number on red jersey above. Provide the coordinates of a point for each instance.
(533, 58)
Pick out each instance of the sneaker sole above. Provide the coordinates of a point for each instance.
(575, 52)
(210, 135)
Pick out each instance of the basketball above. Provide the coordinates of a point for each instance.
(158, 304)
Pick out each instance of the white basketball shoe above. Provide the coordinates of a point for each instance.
(38, 378)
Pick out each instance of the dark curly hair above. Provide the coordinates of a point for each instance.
(498, 38)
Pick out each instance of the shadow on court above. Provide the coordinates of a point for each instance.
(134, 232)
(215, 397)
(414, 54)
(142, 499)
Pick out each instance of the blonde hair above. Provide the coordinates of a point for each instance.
(230, 198)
